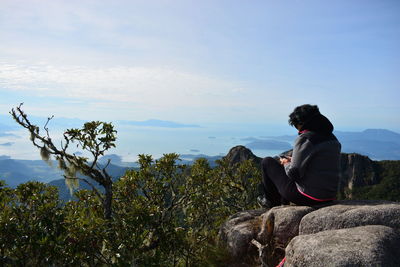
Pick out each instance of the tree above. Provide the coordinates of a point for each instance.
(164, 213)
(94, 137)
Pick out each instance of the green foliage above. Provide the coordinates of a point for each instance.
(175, 211)
(165, 214)
(387, 189)
(30, 225)
(96, 137)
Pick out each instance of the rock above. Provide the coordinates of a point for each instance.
(357, 171)
(286, 222)
(372, 245)
(238, 231)
(241, 153)
(275, 227)
(279, 226)
(351, 213)
(346, 233)
(336, 231)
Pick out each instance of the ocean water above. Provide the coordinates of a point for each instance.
(210, 139)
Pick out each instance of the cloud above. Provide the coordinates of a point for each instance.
(3, 134)
(155, 87)
(7, 144)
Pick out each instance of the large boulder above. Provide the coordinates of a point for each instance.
(279, 226)
(238, 231)
(372, 245)
(352, 233)
(351, 213)
(275, 227)
(285, 221)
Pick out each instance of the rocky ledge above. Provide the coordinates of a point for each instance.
(346, 233)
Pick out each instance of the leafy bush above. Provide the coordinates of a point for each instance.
(31, 225)
(389, 186)
(164, 214)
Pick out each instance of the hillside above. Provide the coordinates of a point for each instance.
(15, 172)
(362, 178)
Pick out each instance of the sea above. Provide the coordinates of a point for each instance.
(206, 139)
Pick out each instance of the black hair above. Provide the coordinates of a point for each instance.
(302, 114)
(308, 117)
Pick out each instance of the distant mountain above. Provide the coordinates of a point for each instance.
(378, 144)
(371, 134)
(15, 172)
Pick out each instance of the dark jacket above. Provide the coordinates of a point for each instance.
(315, 164)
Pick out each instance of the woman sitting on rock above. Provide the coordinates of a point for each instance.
(310, 176)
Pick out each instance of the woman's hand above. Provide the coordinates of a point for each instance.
(285, 161)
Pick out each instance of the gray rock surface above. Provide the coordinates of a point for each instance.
(348, 233)
(237, 232)
(285, 221)
(372, 245)
(351, 213)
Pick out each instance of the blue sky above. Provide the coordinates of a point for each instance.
(200, 62)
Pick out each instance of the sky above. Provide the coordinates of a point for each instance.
(209, 62)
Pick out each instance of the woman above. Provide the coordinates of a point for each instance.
(310, 176)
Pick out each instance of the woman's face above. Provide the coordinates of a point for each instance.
(298, 126)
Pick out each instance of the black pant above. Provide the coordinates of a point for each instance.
(279, 188)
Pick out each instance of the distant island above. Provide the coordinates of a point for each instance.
(268, 144)
(378, 144)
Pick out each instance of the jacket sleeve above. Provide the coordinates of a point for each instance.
(302, 152)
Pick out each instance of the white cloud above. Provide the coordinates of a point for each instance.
(160, 88)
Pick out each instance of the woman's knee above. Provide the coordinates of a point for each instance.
(268, 161)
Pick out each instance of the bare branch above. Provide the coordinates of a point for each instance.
(46, 128)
